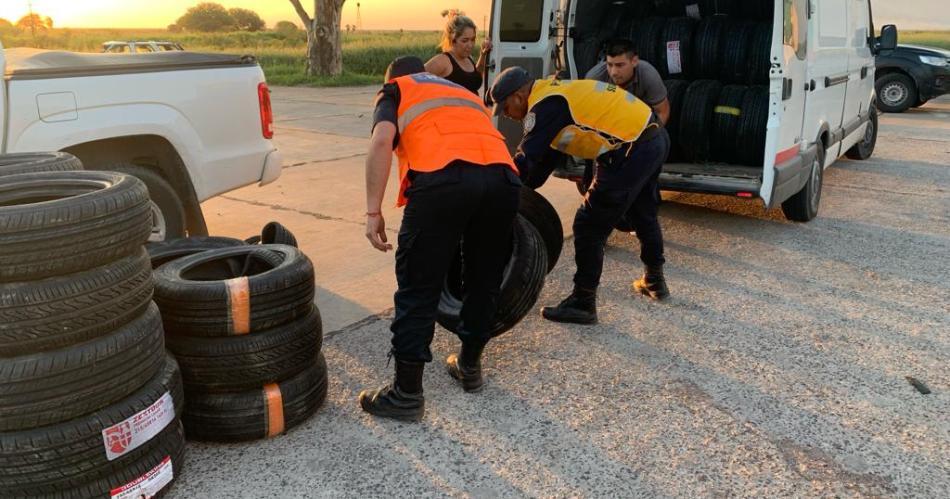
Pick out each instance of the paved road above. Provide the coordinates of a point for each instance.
(778, 369)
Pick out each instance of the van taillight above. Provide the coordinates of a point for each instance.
(267, 114)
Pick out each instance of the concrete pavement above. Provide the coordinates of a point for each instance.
(779, 368)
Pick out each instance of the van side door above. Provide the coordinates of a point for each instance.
(827, 73)
(860, 92)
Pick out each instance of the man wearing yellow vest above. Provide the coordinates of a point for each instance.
(458, 183)
(596, 121)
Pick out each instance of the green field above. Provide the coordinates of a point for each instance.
(365, 54)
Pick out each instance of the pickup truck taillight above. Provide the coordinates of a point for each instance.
(267, 113)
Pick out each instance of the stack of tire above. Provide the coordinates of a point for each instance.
(241, 321)
(89, 401)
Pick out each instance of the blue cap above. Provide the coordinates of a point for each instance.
(506, 83)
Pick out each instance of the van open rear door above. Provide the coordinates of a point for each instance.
(522, 35)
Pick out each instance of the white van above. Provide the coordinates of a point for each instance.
(816, 88)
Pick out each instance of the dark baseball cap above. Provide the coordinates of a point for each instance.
(403, 66)
(506, 83)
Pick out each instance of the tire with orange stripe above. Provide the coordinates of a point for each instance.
(234, 291)
(264, 412)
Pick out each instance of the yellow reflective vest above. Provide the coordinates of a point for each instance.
(606, 117)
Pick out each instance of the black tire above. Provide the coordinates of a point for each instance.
(864, 149)
(759, 53)
(675, 92)
(239, 363)
(275, 233)
(709, 8)
(234, 417)
(167, 208)
(587, 54)
(670, 8)
(756, 10)
(55, 223)
(679, 29)
(32, 162)
(896, 93)
(51, 387)
(193, 295)
(66, 455)
(57, 312)
(696, 120)
(707, 47)
(734, 52)
(753, 124)
(647, 40)
(726, 117)
(166, 251)
(522, 283)
(803, 206)
(537, 210)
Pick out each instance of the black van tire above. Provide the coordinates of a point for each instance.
(707, 47)
(57, 312)
(538, 210)
(68, 454)
(759, 53)
(864, 149)
(163, 252)
(168, 210)
(201, 307)
(50, 387)
(240, 416)
(726, 118)
(89, 218)
(751, 134)
(238, 363)
(32, 162)
(677, 29)
(734, 52)
(520, 287)
(895, 92)
(803, 206)
(696, 119)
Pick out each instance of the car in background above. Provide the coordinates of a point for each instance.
(134, 47)
(909, 76)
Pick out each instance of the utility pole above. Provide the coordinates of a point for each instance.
(32, 23)
(359, 17)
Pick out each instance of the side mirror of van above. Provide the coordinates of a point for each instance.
(888, 38)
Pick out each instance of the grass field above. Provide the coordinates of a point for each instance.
(365, 54)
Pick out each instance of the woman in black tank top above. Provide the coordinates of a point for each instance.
(455, 63)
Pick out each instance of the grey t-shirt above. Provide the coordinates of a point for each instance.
(647, 85)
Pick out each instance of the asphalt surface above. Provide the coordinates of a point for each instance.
(779, 368)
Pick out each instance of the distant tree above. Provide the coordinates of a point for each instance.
(246, 19)
(174, 28)
(285, 28)
(207, 17)
(5, 25)
(35, 21)
(49, 22)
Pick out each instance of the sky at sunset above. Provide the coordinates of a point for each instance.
(376, 14)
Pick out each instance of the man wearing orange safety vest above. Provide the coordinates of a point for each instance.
(459, 187)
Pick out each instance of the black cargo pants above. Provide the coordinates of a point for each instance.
(463, 204)
(623, 183)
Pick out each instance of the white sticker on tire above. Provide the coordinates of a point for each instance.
(121, 438)
(673, 61)
(147, 485)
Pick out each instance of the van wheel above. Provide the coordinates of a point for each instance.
(895, 93)
(168, 210)
(864, 149)
(803, 206)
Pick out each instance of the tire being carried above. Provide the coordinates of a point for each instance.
(33, 162)
(537, 210)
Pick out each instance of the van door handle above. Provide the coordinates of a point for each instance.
(810, 86)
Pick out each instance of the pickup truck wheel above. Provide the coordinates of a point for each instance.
(864, 149)
(895, 93)
(168, 210)
(803, 206)
(31, 162)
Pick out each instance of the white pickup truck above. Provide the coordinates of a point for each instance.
(190, 125)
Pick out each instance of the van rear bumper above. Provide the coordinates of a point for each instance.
(792, 175)
(709, 184)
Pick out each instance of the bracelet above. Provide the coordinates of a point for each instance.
(373, 213)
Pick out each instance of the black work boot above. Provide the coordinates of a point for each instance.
(652, 284)
(400, 400)
(578, 308)
(466, 366)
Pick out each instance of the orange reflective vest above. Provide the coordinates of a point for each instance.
(440, 122)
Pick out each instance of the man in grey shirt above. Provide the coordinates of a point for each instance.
(624, 68)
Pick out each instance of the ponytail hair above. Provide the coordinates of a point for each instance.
(455, 25)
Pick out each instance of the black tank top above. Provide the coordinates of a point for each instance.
(472, 81)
